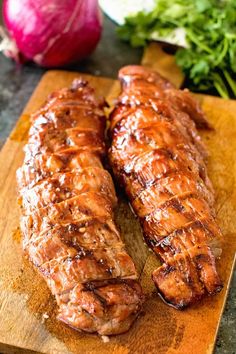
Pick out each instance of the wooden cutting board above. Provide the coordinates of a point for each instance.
(27, 310)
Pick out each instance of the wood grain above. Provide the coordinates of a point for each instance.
(24, 297)
(156, 58)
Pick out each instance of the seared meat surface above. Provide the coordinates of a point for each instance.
(67, 200)
(159, 158)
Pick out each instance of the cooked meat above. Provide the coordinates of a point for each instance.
(67, 203)
(159, 158)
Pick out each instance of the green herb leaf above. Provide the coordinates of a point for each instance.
(209, 62)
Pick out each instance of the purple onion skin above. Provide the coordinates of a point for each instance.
(53, 33)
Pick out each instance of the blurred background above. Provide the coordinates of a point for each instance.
(18, 82)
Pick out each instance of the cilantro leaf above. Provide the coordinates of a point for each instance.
(209, 61)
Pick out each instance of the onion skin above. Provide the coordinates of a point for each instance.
(53, 33)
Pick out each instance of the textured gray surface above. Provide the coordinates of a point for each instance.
(16, 86)
(17, 83)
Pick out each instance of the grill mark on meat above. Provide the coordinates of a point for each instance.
(82, 252)
(157, 222)
(31, 173)
(194, 261)
(175, 203)
(54, 141)
(65, 186)
(174, 165)
(201, 222)
(100, 298)
(128, 290)
(67, 205)
(72, 229)
(155, 141)
(172, 186)
(167, 114)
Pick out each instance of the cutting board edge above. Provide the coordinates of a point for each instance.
(224, 302)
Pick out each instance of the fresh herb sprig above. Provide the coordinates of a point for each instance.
(209, 61)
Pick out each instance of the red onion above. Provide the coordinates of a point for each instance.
(52, 33)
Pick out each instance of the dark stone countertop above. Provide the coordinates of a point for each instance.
(16, 86)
